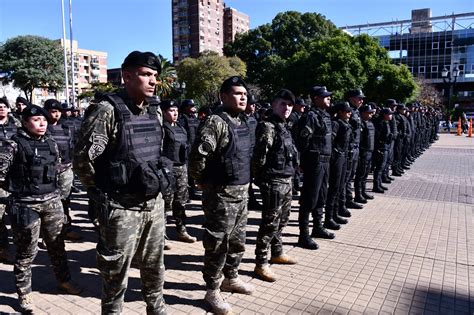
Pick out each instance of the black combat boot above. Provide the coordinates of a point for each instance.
(358, 194)
(383, 187)
(364, 192)
(354, 205)
(377, 187)
(319, 231)
(305, 241)
(343, 212)
(337, 218)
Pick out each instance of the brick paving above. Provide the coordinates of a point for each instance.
(409, 251)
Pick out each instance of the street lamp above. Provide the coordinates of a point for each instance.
(181, 88)
(449, 80)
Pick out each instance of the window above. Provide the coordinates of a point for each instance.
(434, 69)
(411, 69)
(434, 45)
(447, 44)
(421, 69)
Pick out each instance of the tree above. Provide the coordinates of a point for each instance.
(32, 62)
(98, 87)
(164, 84)
(205, 74)
(427, 94)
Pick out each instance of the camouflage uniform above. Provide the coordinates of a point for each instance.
(131, 228)
(175, 201)
(29, 215)
(276, 190)
(225, 206)
(3, 227)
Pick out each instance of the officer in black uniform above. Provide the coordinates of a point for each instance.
(400, 143)
(383, 140)
(295, 116)
(314, 143)
(386, 178)
(366, 148)
(356, 99)
(341, 140)
(188, 118)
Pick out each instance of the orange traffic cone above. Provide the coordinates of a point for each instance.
(459, 127)
(469, 131)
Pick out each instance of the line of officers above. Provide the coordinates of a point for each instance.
(137, 159)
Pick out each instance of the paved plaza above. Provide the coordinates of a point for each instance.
(409, 251)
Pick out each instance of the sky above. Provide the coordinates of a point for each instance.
(121, 26)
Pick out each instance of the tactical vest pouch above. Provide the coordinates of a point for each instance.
(118, 173)
(149, 178)
(183, 153)
(49, 174)
(166, 179)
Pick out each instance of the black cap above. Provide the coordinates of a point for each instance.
(300, 101)
(188, 102)
(320, 91)
(142, 59)
(355, 93)
(390, 102)
(286, 95)
(23, 100)
(166, 104)
(4, 100)
(34, 110)
(386, 111)
(401, 107)
(230, 82)
(52, 104)
(251, 99)
(367, 108)
(342, 106)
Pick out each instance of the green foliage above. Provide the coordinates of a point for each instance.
(101, 87)
(32, 62)
(204, 75)
(297, 51)
(164, 85)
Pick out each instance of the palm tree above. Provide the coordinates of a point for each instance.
(166, 79)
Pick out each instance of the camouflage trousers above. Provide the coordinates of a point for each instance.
(65, 181)
(132, 233)
(27, 221)
(3, 227)
(225, 213)
(175, 201)
(276, 197)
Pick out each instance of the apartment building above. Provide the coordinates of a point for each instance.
(201, 25)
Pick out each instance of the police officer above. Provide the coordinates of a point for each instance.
(386, 178)
(176, 149)
(296, 113)
(220, 163)
(62, 134)
(21, 103)
(188, 118)
(29, 165)
(403, 133)
(117, 158)
(366, 148)
(356, 99)
(383, 140)
(341, 140)
(314, 143)
(274, 160)
(8, 129)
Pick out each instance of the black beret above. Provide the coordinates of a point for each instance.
(23, 100)
(286, 95)
(367, 108)
(386, 111)
(355, 93)
(142, 59)
(33, 110)
(230, 82)
(390, 102)
(188, 102)
(251, 99)
(320, 91)
(166, 104)
(4, 100)
(401, 107)
(300, 101)
(342, 106)
(52, 104)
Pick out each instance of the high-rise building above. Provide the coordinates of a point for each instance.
(201, 25)
(433, 49)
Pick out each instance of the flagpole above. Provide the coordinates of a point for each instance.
(65, 54)
(73, 93)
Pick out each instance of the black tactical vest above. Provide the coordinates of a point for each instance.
(8, 130)
(191, 124)
(393, 128)
(232, 167)
(367, 136)
(321, 140)
(281, 156)
(62, 135)
(35, 168)
(132, 166)
(175, 143)
(342, 138)
(252, 123)
(356, 122)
